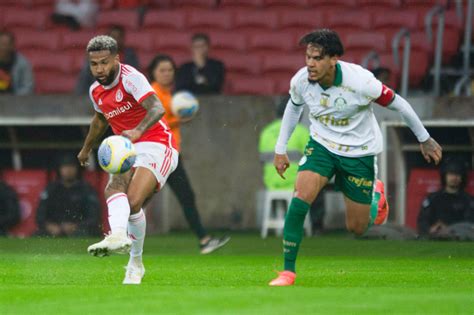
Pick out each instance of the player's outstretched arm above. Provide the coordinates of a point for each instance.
(289, 121)
(155, 112)
(430, 149)
(97, 128)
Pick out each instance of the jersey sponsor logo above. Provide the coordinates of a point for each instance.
(360, 181)
(118, 111)
(340, 103)
(331, 120)
(153, 165)
(118, 96)
(131, 86)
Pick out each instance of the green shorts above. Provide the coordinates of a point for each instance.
(354, 176)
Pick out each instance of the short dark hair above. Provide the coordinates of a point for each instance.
(156, 61)
(326, 39)
(8, 34)
(102, 42)
(201, 36)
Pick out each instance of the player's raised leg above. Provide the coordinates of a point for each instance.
(142, 187)
(118, 207)
(307, 187)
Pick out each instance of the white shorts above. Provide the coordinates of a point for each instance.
(160, 159)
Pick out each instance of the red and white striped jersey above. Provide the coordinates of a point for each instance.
(120, 102)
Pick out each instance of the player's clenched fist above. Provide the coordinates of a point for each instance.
(83, 157)
(281, 163)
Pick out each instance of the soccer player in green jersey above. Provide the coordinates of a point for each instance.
(345, 139)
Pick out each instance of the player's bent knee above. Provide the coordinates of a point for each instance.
(136, 203)
(307, 197)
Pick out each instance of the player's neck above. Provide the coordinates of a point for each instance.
(328, 79)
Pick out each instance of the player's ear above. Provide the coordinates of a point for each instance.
(333, 60)
(117, 58)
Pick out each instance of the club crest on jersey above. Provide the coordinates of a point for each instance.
(340, 103)
(119, 96)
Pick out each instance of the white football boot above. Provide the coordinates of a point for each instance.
(134, 273)
(117, 243)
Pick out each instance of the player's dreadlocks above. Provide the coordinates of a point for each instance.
(102, 42)
(325, 39)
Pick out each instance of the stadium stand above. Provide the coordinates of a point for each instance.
(248, 27)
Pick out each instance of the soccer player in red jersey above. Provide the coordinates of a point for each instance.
(123, 99)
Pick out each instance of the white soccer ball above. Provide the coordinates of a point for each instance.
(116, 154)
(184, 105)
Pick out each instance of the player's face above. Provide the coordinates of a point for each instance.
(453, 180)
(199, 47)
(68, 173)
(164, 73)
(103, 66)
(319, 67)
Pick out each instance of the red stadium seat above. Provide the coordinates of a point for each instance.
(209, 20)
(278, 64)
(336, 5)
(301, 20)
(37, 40)
(349, 21)
(421, 182)
(419, 66)
(241, 4)
(179, 41)
(48, 82)
(54, 62)
(395, 20)
(164, 19)
(128, 19)
(28, 184)
(241, 64)
(194, 4)
(284, 4)
(251, 86)
(366, 41)
(272, 42)
(77, 40)
(141, 41)
(379, 5)
(227, 41)
(25, 19)
(256, 20)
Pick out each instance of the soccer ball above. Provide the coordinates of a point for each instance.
(184, 105)
(116, 154)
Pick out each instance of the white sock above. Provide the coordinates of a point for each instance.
(119, 211)
(136, 232)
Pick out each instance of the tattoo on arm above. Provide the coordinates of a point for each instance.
(155, 111)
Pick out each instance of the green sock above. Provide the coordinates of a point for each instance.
(293, 231)
(374, 207)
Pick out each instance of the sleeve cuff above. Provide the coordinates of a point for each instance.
(280, 149)
(423, 137)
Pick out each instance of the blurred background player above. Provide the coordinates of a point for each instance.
(16, 74)
(202, 75)
(345, 139)
(10, 213)
(450, 205)
(123, 98)
(68, 206)
(161, 72)
(127, 55)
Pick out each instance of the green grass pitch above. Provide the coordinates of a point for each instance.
(336, 275)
